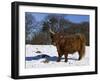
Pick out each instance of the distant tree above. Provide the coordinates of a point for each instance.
(30, 21)
(32, 27)
(45, 30)
(56, 22)
(45, 27)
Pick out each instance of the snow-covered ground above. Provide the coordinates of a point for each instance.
(40, 56)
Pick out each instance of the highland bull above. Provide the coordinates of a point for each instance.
(68, 44)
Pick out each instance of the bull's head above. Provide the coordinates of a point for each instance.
(52, 35)
(56, 37)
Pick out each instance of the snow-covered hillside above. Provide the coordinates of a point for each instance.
(40, 56)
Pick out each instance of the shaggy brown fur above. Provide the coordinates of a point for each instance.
(68, 44)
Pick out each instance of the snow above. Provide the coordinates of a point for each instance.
(45, 56)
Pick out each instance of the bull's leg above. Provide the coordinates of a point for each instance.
(80, 55)
(59, 58)
(66, 59)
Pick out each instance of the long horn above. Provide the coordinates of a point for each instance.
(51, 31)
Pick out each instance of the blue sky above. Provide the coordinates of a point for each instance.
(71, 17)
(78, 18)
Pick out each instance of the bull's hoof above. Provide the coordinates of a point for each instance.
(66, 60)
(58, 60)
(79, 58)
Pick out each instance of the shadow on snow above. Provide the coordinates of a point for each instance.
(50, 58)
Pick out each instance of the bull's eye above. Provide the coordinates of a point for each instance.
(52, 41)
(51, 37)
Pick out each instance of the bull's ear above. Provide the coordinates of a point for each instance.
(51, 32)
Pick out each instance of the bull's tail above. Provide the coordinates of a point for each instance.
(83, 49)
(82, 46)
